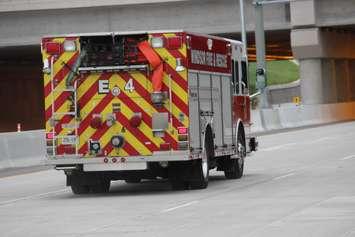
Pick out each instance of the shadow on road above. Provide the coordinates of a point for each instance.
(161, 187)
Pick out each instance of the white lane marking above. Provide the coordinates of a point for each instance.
(278, 147)
(348, 157)
(40, 195)
(180, 206)
(320, 140)
(283, 176)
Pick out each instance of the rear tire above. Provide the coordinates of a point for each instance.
(102, 187)
(79, 189)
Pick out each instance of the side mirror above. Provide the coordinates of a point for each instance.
(260, 71)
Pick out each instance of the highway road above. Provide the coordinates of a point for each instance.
(300, 183)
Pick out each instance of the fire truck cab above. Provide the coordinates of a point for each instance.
(145, 105)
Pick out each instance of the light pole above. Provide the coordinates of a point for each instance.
(261, 79)
(243, 28)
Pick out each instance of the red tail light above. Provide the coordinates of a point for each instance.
(53, 48)
(182, 130)
(174, 42)
(49, 135)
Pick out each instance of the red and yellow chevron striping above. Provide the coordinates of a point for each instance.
(133, 90)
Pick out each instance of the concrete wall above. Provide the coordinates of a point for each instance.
(21, 96)
(30, 5)
(325, 54)
(206, 16)
(281, 94)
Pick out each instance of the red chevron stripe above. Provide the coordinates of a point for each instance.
(91, 92)
(147, 118)
(82, 101)
(178, 79)
(127, 147)
(142, 91)
(86, 122)
(178, 102)
(59, 77)
(61, 74)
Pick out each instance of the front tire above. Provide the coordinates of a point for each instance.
(234, 168)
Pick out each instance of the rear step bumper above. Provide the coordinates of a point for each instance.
(156, 157)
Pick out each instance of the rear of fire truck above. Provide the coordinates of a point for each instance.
(117, 108)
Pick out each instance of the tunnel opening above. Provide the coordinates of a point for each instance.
(21, 88)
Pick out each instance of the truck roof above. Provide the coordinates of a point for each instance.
(140, 32)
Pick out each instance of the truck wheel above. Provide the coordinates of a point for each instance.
(235, 167)
(201, 168)
(79, 189)
(102, 187)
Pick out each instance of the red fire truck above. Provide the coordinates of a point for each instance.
(145, 105)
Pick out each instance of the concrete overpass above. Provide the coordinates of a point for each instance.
(321, 33)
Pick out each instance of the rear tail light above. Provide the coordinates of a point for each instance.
(183, 143)
(49, 135)
(182, 130)
(53, 48)
(174, 42)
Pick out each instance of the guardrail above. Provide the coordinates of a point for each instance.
(22, 149)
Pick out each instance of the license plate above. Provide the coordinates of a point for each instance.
(69, 140)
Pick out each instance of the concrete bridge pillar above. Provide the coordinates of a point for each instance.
(326, 57)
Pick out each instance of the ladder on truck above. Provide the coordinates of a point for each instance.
(72, 139)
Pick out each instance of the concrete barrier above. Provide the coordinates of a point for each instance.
(22, 149)
(293, 116)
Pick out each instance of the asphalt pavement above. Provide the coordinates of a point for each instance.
(299, 183)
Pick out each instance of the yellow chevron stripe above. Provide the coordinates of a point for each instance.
(143, 127)
(170, 59)
(175, 110)
(84, 86)
(183, 50)
(167, 35)
(141, 102)
(116, 129)
(181, 93)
